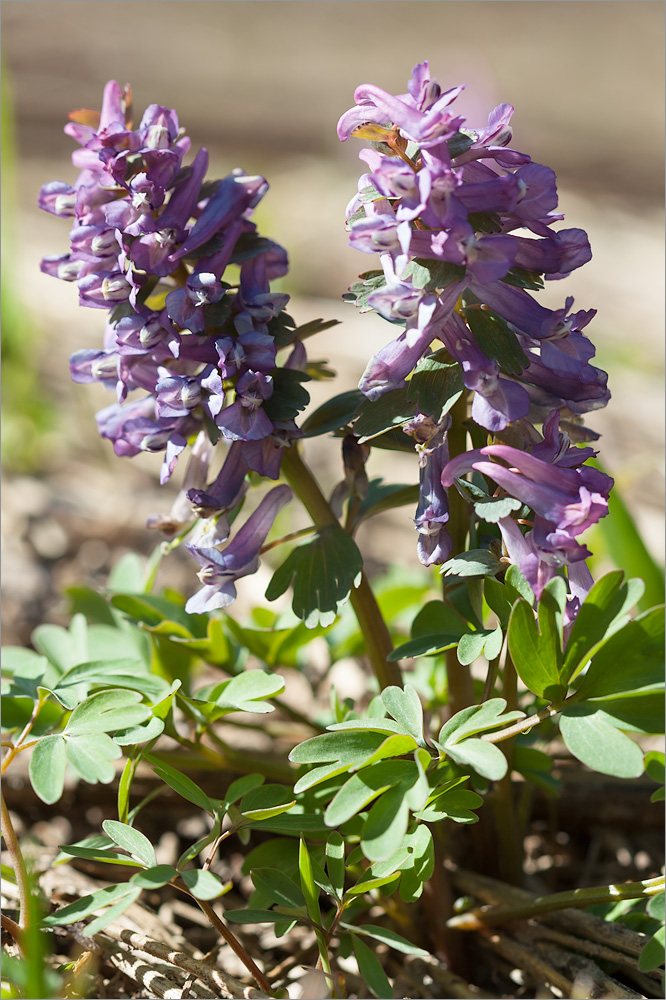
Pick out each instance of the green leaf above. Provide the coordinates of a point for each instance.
(27, 670)
(405, 706)
(377, 416)
(592, 738)
(421, 849)
(309, 889)
(100, 854)
(386, 824)
(654, 765)
(518, 585)
(202, 884)
(494, 508)
(496, 340)
(425, 645)
(245, 692)
(485, 758)
(288, 397)
(322, 571)
(8, 874)
(436, 616)
(92, 755)
(472, 645)
(432, 274)
(278, 887)
(64, 648)
(106, 918)
(154, 878)
(335, 862)
(475, 562)
(632, 658)
(371, 970)
(241, 786)
(339, 753)
(91, 604)
(522, 278)
(536, 655)
(180, 783)
(266, 802)
(436, 384)
(86, 905)
(638, 711)
(333, 414)
(124, 673)
(368, 882)
(128, 573)
(375, 724)
(388, 937)
(457, 804)
(499, 599)
(656, 906)
(604, 603)
(477, 719)
(652, 955)
(313, 327)
(131, 840)
(107, 711)
(366, 785)
(143, 733)
(385, 496)
(47, 768)
(493, 644)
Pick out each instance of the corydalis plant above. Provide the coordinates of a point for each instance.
(152, 242)
(444, 205)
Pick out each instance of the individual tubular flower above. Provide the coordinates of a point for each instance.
(220, 569)
(571, 499)
(434, 542)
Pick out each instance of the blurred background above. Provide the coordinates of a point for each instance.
(261, 85)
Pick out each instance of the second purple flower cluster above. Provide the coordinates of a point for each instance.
(463, 225)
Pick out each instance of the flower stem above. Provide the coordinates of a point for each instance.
(375, 632)
(230, 939)
(12, 844)
(460, 684)
(483, 917)
(522, 726)
(510, 842)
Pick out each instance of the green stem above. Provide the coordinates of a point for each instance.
(523, 725)
(231, 939)
(510, 843)
(460, 683)
(375, 632)
(12, 844)
(322, 948)
(483, 917)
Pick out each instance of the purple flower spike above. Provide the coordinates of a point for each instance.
(220, 570)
